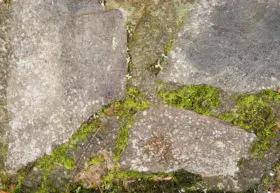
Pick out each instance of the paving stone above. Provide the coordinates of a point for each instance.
(68, 61)
(166, 139)
(230, 44)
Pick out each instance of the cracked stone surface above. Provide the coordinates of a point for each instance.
(167, 138)
(233, 45)
(68, 61)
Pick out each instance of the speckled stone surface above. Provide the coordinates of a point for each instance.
(166, 139)
(233, 45)
(68, 61)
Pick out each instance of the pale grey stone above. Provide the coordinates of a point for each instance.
(69, 60)
(168, 138)
(230, 44)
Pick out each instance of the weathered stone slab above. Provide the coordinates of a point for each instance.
(69, 60)
(167, 138)
(231, 44)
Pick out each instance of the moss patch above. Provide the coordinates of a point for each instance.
(60, 154)
(200, 98)
(132, 181)
(125, 109)
(254, 113)
(133, 102)
(96, 159)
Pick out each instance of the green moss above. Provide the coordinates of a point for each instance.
(60, 154)
(150, 182)
(254, 113)
(133, 102)
(4, 180)
(3, 151)
(167, 47)
(44, 186)
(17, 188)
(270, 94)
(57, 156)
(200, 98)
(84, 130)
(96, 159)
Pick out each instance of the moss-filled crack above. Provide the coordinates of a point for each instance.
(252, 112)
(126, 109)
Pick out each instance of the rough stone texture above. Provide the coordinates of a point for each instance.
(166, 139)
(69, 60)
(99, 142)
(231, 44)
(5, 51)
(153, 25)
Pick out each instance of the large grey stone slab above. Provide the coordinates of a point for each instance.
(69, 60)
(167, 138)
(231, 44)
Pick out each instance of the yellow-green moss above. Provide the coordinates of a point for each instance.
(133, 102)
(96, 159)
(59, 154)
(270, 94)
(254, 113)
(44, 186)
(4, 180)
(149, 182)
(167, 47)
(200, 98)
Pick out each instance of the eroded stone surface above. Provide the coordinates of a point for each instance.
(231, 44)
(69, 59)
(166, 139)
